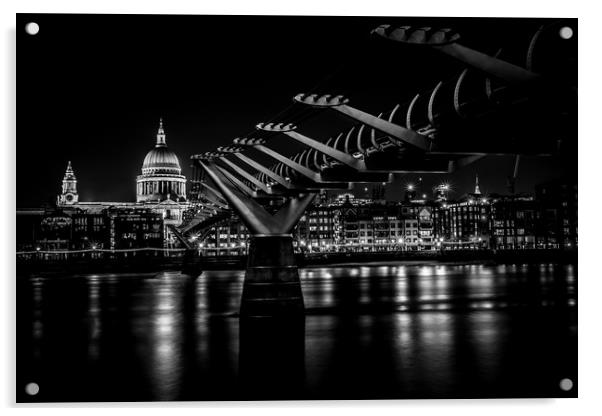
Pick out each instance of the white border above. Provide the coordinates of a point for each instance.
(590, 276)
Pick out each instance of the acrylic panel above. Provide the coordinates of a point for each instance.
(295, 207)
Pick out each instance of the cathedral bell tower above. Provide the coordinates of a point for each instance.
(68, 194)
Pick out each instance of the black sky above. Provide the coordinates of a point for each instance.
(91, 89)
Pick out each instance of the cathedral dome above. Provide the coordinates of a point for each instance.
(161, 160)
(161, 177)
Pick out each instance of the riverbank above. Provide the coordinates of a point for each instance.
(451, 256)
(196, 264)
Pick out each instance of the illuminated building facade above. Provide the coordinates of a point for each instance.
(463, 224)
(161, 177)
(558, 207)
(475, 221)
(160, 203)
(515, 223)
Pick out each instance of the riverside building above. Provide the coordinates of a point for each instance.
(74, 224)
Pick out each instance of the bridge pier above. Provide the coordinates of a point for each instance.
(272, 286)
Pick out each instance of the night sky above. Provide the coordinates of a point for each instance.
(91, 89)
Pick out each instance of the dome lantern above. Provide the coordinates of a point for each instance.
(161, 135)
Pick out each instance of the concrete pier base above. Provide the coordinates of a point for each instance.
(272, 287)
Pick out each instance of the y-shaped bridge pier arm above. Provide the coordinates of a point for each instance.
(271, 287)
(255, 217)
(290, 213)
(258, 219)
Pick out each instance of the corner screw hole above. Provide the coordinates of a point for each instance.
(566, 384)
(32, 389)
(32, 28)
(565, 32)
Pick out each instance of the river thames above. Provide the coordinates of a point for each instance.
(397, 331)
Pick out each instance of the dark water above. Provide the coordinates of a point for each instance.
(406, 331)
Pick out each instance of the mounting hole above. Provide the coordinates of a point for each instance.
(565, 32)
(32, 28)
(32, 389)
(566, 384)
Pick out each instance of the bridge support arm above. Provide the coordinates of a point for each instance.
(327, 150)
(446, 41)
(400, 133)
(260, 168)
(271, 287)
(292, 210)
(218, 195)
(310, 174)
(246, 175)
(495, 67)
(255, 217)
(237, 182)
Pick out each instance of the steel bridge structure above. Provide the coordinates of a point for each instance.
(493, 106)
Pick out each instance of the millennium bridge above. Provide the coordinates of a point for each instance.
(518, 101)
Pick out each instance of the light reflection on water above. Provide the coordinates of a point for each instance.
(381, 331)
